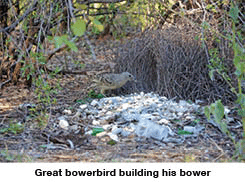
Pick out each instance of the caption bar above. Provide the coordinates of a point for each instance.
(121, 173)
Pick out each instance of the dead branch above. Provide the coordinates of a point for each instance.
(12, 27)
(100, 1)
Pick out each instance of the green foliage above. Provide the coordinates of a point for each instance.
(61, 40)
(211, 7)
(122, 17)
(216, 64)
(240, 150)
(112, 142)
(91, 95)
(42, 119)
(234, 13)
(207, 112)
(98, 25)
(8, 157)
(44, 90)
(81, 6)
(189, 101)
(94, 95)
(80, 101)
(79, 27)
(195, 122)
(217, 108)
(14, 128)
(13, 157)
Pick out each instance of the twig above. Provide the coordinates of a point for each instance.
(68, 72)
(218, 147)
(4, 83)
(203, 39)
(91, 47)
(57, 50)
(11, 27)
(101, 1)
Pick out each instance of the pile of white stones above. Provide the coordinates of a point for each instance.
(148, 115)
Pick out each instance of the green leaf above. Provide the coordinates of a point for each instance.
(96, 22)
(212, 107)
(233, 90)
(205, 25)
(241, 100)
(100, 96)
(209, 6)
(218, 111)
(50, 38)
(207, 112)
(79, 27)
(98, 25)
(223, 127)
(82, 6)
(72, 46)
(80, 101)
(57, 69)
(196, 37)
(58, 41)
(211, 74)
(3, 130)
(234, 13)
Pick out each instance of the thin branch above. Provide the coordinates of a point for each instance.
(52, 53)
(11, 27)
(119, 13)
(168, 13)
(100, 1)
(91, 46)
(203, 39)
(4, 83)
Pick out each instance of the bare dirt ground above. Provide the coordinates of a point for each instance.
(49, 144)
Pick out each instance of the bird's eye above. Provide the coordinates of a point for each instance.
(129, 75)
